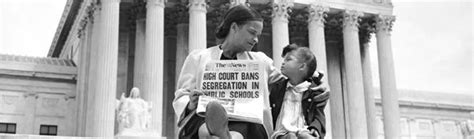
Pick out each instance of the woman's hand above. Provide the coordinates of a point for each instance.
(318, 84)
(193, 99)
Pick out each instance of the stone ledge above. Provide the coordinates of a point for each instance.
(24, 136)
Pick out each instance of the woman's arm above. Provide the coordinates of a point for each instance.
(274, 74)
(186, 83)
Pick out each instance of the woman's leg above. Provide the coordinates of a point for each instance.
(204, 134)
(217, 121)
(306, 135)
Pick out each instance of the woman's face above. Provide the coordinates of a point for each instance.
(246, 35)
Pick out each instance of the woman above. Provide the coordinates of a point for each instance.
(239, 31)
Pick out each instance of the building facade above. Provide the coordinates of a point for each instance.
(118, 44)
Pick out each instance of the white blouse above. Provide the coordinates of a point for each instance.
(194, 65)
(291, 118)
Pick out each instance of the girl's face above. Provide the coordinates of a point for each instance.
(291, 65)
(246, 36)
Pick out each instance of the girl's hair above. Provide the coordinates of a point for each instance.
(239, 14)
(304, 55)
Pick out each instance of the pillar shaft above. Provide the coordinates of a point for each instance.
(181, 46)
(280, 32)
(317, 45)
(105, 74)
(197, 25)
(138, 66)
(355, 88)
(388, 88)
(153, 62)
(369, 92)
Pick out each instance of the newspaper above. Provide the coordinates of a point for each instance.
(237, 85)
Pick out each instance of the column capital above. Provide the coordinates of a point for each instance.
(333, 29)
(182, 14)
(317, 13)
(198, 5)
(160, 3)
(384, 23)
(351, 18)
(217, 15)
(366, 28)
(87, 19)
(281, 9)
(238, 2)
(298, 25)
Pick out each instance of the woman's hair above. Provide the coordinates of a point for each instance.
(304, 55)
(239, 14)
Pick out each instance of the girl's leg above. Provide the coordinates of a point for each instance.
(306, 135)
(288, 136)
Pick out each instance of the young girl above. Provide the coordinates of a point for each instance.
(297, 112)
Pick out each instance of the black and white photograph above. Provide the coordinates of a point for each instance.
(236, 69)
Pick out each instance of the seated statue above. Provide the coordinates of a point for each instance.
(133, 114)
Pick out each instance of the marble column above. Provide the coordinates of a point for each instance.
(369, 91)
(153, 62)
(354, 80)
(182, 49)
(105, 73)
(197, 25)
(138, 66)
(281, 36)
(91, 69)
(83, 69)
(317, 45)
(388, 87)
(182, 37)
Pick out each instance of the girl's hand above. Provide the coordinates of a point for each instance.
(193, 99)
